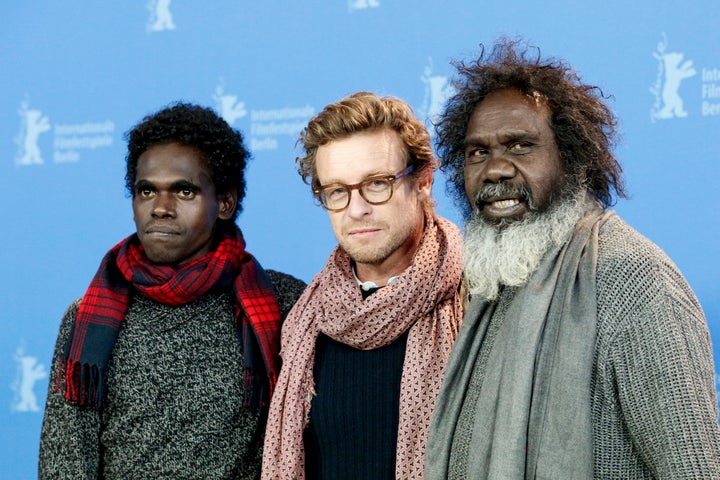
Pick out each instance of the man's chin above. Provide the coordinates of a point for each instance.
(507, 252)
(499, 223)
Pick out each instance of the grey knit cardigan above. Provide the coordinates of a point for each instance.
(653, 397)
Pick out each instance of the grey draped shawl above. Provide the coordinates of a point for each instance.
(515, 400)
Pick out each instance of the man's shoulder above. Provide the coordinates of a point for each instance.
(633, 271)
(620, 244)
(71, 310)
(288, 288)
(281, 279)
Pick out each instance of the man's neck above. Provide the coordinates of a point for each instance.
(376, 281)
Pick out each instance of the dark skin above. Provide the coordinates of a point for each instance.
(509, 140)
(175, 205)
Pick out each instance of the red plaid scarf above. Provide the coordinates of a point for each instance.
(125, 270)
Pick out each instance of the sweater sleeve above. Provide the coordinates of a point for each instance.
(69, 441)
(661, 364)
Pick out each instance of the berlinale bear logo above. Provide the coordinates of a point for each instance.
(437, 91)
(160, 17)
(228, 105)
(32, 124)
(671, 72)
(29, 371)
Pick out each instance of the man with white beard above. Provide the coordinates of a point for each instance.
(584, 352)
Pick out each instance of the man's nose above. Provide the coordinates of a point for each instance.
(499, 167)
(358, 206)
(164, 206)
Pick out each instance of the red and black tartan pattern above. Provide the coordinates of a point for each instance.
(125, 269)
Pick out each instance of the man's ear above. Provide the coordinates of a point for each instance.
(227, 203)
(425, 181)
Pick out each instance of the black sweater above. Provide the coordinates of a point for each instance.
(352, 432)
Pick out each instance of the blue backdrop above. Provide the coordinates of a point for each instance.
(78, 74)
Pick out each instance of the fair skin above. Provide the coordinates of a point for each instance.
(509, 140)
(175, 205)
(381, 239)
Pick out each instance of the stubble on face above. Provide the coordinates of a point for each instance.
(377, 254)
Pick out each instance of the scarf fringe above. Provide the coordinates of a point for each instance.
(85, 384)
(257, 393)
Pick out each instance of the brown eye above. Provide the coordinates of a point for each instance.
(519, 147)
(186, 193)
(475, 155)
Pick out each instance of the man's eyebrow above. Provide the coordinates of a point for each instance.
(374, 174)
(185, 185)
(175, 186)
(473, 140)
(521, 135)
(143, 184)
(505, 137)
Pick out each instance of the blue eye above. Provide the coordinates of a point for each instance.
(376, 185)
(333, 193)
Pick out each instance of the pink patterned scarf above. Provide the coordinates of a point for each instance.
(425, 299)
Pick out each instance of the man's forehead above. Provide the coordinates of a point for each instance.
(512, 98)
(172, 162)
(357, 156)
(509, 110)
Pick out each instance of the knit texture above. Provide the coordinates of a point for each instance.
(175, 398)
(358, 391)
(653, 399)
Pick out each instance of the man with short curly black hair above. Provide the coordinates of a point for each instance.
(165, 367)
(583, 353)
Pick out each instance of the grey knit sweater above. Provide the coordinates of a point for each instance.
(653, 399)
(174, 402)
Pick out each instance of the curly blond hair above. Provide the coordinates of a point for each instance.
(359, 112)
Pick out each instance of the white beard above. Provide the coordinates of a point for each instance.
(508, 256)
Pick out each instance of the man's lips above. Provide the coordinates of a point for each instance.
(363, 231)
(160, 231)
(506, 203)
(502, 207)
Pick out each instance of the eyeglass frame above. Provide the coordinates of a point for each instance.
(318, 191)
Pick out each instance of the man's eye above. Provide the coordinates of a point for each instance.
(376, 185)
(144, 192)
(186, 193)
(519, 147)
(474, 155)
(337, 192)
